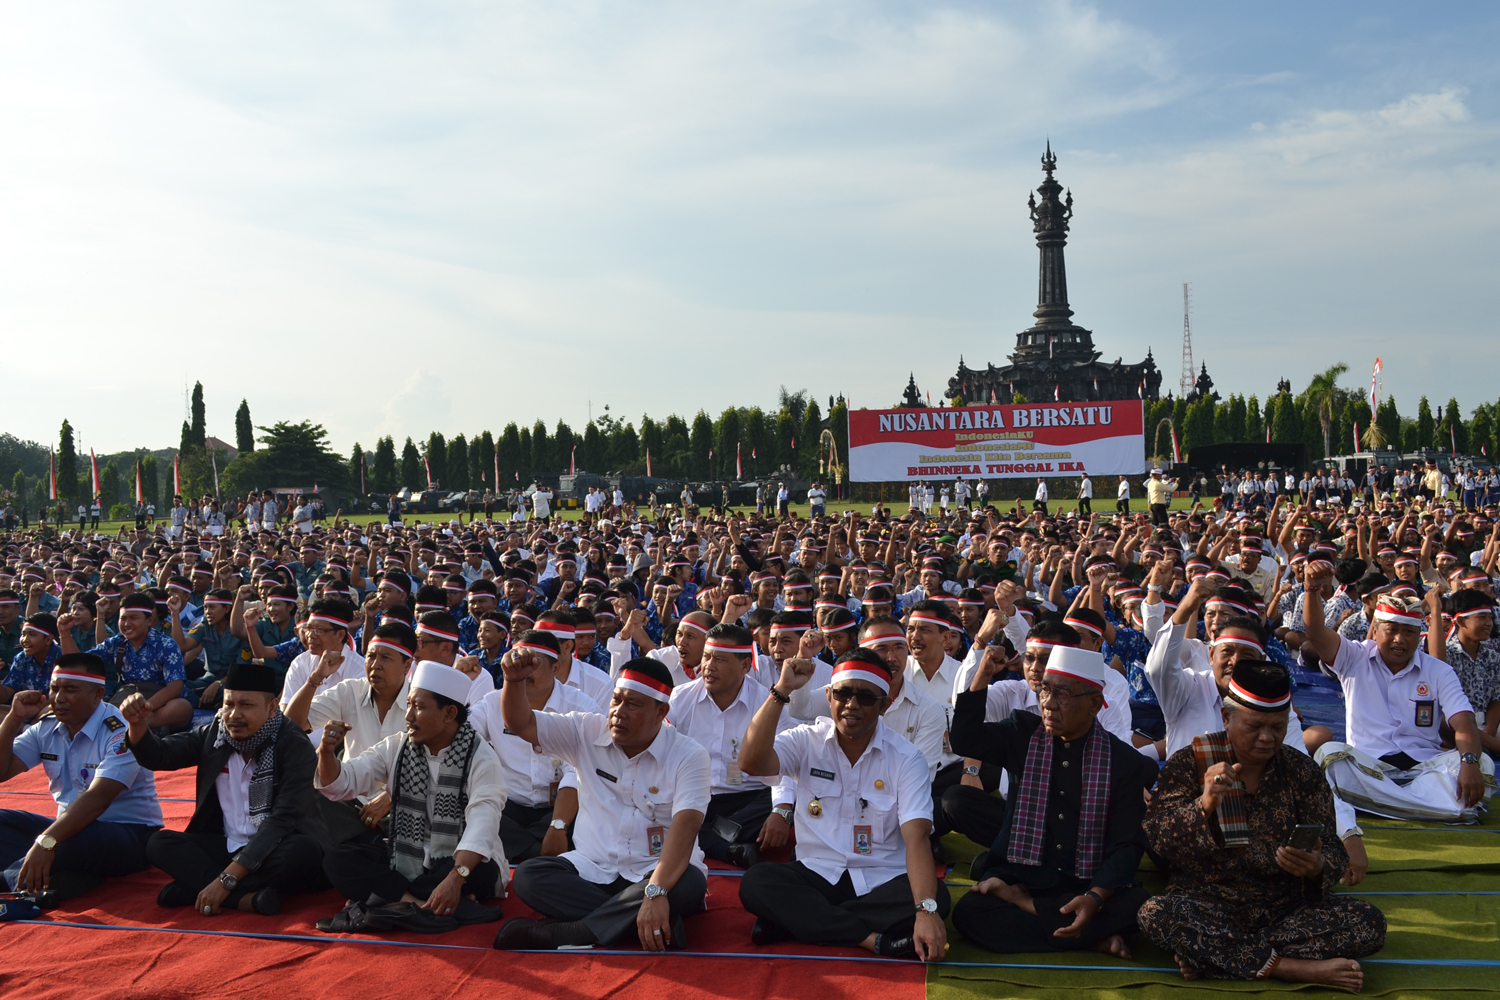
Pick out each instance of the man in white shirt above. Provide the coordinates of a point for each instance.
(584, 677)
(1122, 496)
(541, 503)
(1085, 495)
(817, 499)
(864, 874)
(444, 843)
(543, 789)
(643, 789)
(328, 659)
(1251, 564)
(302, 516)
(1395, 697)
(1040, 502)
(370, 709)
(931, 671)
(744, 813)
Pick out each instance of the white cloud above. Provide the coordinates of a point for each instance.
(393, 218)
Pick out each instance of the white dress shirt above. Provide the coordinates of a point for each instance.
(1188, 694)
(1396, 713)
(233, 787)
(940, 690)
(371, 771)
(861, 806)
(352, 702)
(913, 716)
(303, 666)
(625, 804)
(589, 679)
(695, 714)
(532, 777)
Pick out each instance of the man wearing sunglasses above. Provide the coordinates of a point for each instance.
(864, 874)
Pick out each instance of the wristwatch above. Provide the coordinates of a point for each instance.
(464, 871)
(653, 890)
(1464, 758)
(559, 824)
(46, 842)
(927, 906)
(228, 881)
(785, 812)
(972, 770)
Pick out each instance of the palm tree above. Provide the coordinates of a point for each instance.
(1322, 394)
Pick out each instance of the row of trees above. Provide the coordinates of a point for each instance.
(1324, 417)
(703, 448)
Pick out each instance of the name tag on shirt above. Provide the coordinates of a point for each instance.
(606, 775)
(1424, 714)
(820, 773)
(47, 756)
(656, 836)
(863, 842)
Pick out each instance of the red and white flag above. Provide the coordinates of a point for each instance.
(497, 471)
(428, 466)
(739, 468)
(573, 461)
(52, 474)
(1356, 437)
(648, 461)
(1452, 440)
(1057, 393)
(1176, 451)
(177, 474)
(140, 489)
(94, 469)
(1375, 387)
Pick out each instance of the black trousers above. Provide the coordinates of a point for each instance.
(999, 926)
(973, 812)
(361, 868)
(815, 911)
(950, 777)
(522, 829)
(733, 818)
(1085, 505)
(1040, 505)
(553, 886)
(1159, 514)
(195, 859)
(1123, 505)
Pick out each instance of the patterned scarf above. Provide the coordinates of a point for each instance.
(414, 834)
(261, 746)
(1030, 817)
(1234, 823)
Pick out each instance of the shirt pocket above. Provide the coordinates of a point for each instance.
(881, 812)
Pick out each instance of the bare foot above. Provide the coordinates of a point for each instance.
(1187, 971)
(1340, 973)
(1114, 945)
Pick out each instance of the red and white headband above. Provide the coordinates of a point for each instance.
(840, 628)
(786, 629)
(77, 674)
(684, 623)
(537, 647)
(634, 680)
(725, 646)
(1396, 615)
(917, 616)
(379, 642)
(858, 670)
(436, 633)
(889, 639)
(1224, 602)
(328, 620)
(1235, 640)
(1086, 626)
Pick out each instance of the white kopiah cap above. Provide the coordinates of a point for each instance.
(1082, 664)
(435, 678)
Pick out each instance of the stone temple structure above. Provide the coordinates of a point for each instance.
(1055, 358)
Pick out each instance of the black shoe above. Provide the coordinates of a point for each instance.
(70, 885)
(350, 918)
(470, 911)
(743, 855)
(767, 932)
(522, 934)
(175, 894)
(266, 902)
(895, 947)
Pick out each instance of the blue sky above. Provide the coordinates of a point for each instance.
(393, 218)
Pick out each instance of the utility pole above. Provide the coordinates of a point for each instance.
(1189, 377)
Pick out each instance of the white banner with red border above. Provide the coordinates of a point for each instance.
(1003, 441)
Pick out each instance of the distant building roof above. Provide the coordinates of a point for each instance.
(214, 444)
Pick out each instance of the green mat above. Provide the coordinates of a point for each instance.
(1439, 889)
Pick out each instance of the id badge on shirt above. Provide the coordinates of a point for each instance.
(656, 837)
(1424, 714)
(732, 773)
(863, 843)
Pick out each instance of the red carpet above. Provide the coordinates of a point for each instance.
(167, 958)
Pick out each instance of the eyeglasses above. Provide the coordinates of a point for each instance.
(865, 697)
(1062, 696)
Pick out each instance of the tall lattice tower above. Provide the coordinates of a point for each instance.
(1189, 377)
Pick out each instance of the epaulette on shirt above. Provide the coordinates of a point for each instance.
(113, 724)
